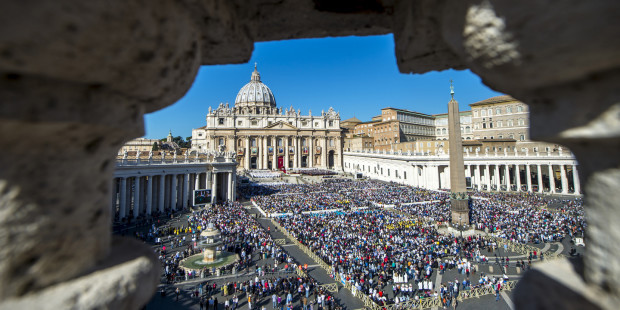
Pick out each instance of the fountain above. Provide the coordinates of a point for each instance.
(210, 240)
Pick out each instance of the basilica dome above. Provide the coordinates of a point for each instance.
(255, 93)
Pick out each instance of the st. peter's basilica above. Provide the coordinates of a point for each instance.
(267, 137)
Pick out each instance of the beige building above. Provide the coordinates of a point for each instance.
(441, 126)
(139, 145)
(267, 137)
(501, 117)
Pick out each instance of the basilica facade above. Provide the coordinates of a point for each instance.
(264, 136)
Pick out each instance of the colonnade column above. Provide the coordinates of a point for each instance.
(122, 203)
(149, 195)
(136, 196)
(487, 177)
(540, 186)
(185, 189)
(197, 180)
(551, 179)
(162, 191)
(507, 177)
(518, 177)
(214, 187)
(563, 179)
(173, 192)
(477, 176)
(576, 184)
(529, 177)
(498, 182)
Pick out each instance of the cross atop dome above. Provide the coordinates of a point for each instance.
(255, 74)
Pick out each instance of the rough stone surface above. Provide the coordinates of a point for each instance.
(417, 34)
(76, 78)
(126, 280)
(559, 285)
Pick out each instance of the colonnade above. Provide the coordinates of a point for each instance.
(145, 194)
(552, 175)
(521, 177)
(267, 149)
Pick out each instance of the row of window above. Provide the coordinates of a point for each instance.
(444, 131)
(220, 121)
(499, 111)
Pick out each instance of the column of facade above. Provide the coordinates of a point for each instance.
(507, 177)
(563, 179)
(324, 152)
(162, 192)
(286, 154)
(185, 190)
(295, 152)
(518, 177)
(551, 179)
(540, 183)
(122, 204)
(214, 187)
(477, 176)
(274, 156)
(136, 196)
(311, 152)
(149, 195)
(173, 192)
(265, 153)
(339, 155)
(247, 153)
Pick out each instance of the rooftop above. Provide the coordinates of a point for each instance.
(492, 100)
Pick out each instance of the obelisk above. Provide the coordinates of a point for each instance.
(459, 199)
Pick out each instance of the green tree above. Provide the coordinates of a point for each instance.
(155, 146)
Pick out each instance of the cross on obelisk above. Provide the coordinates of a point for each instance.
(459, 200)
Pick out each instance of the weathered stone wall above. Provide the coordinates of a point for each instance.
(76, 78)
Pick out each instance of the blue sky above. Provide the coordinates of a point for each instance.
(357, 76)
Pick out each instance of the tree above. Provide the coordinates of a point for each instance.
(155, 146)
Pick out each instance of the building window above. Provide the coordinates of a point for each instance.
(200, 134)
(508, 109)
(254, 123)
(475, 113)
(220, 121)
(490, 111)
(521, 122)
(331, 123)
(316, 124)
(221, 141)
(484, 113)
(498, 111)
(519, 109)
(500, 137)
(239, 123)
(522, 137)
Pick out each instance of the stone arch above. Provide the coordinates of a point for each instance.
(69, 89)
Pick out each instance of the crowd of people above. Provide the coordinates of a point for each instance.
(375, 247)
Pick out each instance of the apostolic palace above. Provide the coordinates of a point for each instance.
(265, 136)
